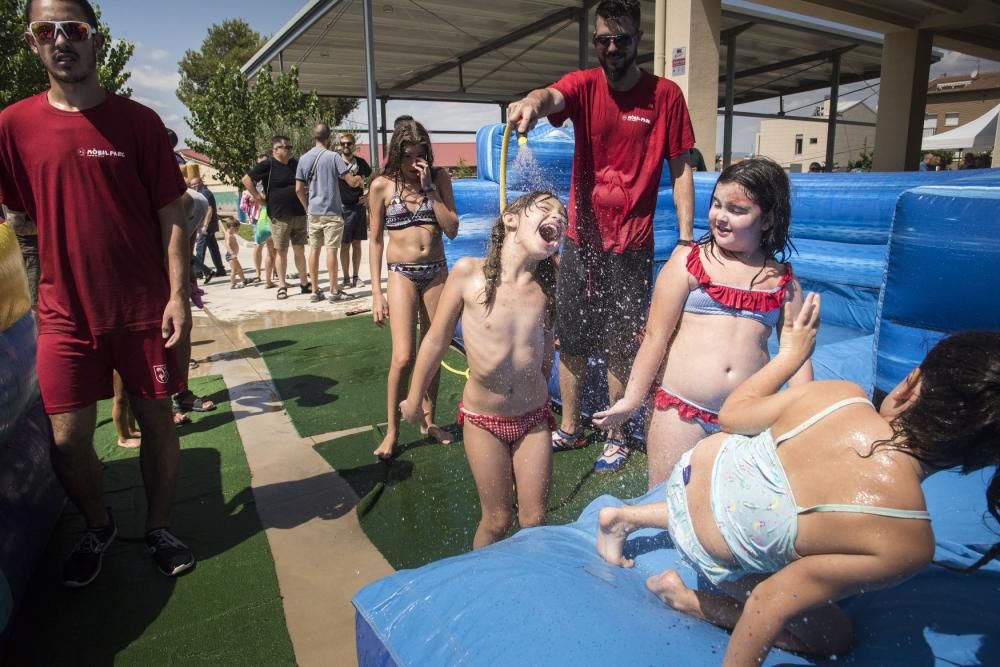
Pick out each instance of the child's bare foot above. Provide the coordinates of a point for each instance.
(611, 533)
(385, 450)
(131, 442)
(667, 586)
(437, 433)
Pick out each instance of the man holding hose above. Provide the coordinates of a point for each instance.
(626, 122)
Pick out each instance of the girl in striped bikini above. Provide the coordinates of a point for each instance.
(413, 201)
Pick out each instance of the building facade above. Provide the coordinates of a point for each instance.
(795, 143)
(954, 100)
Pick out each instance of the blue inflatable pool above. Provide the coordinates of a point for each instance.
(900, 260)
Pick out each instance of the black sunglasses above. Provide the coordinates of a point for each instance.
(346, 143)
(622, 41)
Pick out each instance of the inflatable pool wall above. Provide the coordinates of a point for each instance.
(901, 260)
(30, 497)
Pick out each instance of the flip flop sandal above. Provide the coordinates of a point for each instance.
(562, 441)
(192, 403)
(282, 293)
(180, 418)
(306, 289)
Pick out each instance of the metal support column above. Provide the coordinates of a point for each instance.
(831, 125)
(584, 44)
(503, 113)
(383, 107)
(727, 126)
(281, 62)
(370, 81)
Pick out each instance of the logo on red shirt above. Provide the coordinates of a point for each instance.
(632, 118)
(99, 152)
(161, 373)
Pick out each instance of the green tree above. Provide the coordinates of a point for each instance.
(22, 74)
(231, 43)
(233, 121)
(462, 169)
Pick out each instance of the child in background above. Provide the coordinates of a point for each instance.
(714, 306)
(233, 254)
(506, 305)
(784, 526)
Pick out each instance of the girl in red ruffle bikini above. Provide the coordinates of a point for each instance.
(506, 302)
(714, 306)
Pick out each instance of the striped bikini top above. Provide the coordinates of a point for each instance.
(709, 298)
(398, 216)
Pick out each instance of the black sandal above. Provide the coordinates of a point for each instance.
(306, 289)
(282, 293)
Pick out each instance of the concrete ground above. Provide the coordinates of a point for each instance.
(321, 555)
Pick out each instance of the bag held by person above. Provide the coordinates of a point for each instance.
(263, 232)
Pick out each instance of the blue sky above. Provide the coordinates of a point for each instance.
(163, 31)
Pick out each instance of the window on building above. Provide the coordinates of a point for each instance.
(813, 140)
(930, 121)
(798, 144)
(951, 119)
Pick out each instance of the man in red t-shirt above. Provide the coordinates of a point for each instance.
(626, 122)
(96, 174)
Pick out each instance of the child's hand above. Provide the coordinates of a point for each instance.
(380, 309)
(613, 417)
(412, 412)
(798, 333)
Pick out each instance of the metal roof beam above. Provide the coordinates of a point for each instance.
(801, 60)
(301, 22)
(555, 17)
(977, 14)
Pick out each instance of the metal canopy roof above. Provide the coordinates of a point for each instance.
(493, 51)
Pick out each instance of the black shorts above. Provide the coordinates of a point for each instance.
(602, 299)
(355, 223)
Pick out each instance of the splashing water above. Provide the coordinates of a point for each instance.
(526, 174)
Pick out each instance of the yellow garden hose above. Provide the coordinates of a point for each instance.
(522, 139)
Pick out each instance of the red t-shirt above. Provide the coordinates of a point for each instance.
(93, 182)
(622, 139)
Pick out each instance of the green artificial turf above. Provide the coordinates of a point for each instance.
(331, 375)
(227, 611)
(423, 505)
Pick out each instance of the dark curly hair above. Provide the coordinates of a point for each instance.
(545, 272)
(955, 419)
(766, 183)
(613, 11)
(407, 133)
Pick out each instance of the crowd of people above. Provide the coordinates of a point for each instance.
(690, 350)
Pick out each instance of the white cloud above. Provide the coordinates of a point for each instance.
(157, 55)
(953, 62)
(147, 76)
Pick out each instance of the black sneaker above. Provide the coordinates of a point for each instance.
(208, 275)
(170, 554)
(84, 564)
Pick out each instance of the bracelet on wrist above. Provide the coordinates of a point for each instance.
(684, 243)
(429, 189)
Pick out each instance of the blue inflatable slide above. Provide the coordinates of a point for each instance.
(900, 260)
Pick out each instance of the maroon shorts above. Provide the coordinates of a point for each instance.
(74, 369)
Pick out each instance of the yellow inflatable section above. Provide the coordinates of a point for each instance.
(14, 298)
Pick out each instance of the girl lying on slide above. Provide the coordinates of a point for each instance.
(714, 306)
(506, 305)
(816, 496)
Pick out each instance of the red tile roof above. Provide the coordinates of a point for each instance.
(983, 81)
(189, 154)
(445, 154)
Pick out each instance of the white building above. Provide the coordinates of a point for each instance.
(794, 143)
